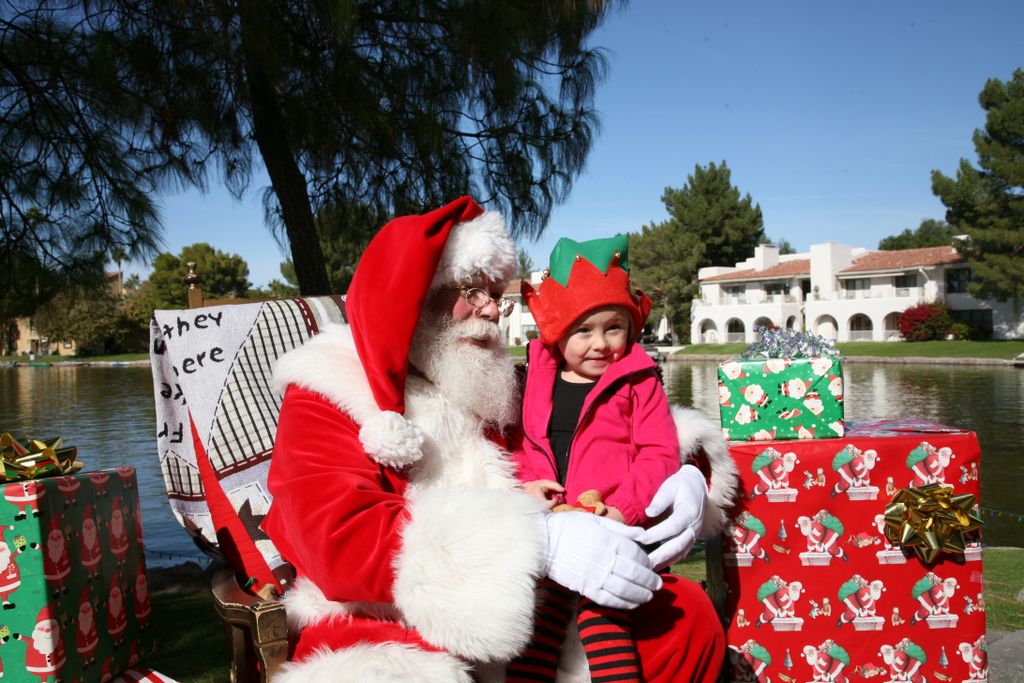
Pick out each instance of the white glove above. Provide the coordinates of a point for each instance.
(686, 492)
(589, 555)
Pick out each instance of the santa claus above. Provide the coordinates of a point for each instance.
(89, 543)
(87, 637)
(118, 534)
(394, 497)
(56, 561)
(44, 655)
(141, 598)
(25, 496)
(10, 574)
(117, 615)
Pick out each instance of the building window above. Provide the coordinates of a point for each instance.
(980, 319)
(904, 283)
(957, 280)
(735, 294)
(906, 280)
(735, 330)
(774, 289)
(67, 343)
(857, 289)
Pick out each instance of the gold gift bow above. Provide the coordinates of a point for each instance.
(930, 520)
(39, 458)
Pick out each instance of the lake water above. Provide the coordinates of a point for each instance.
(107, 412)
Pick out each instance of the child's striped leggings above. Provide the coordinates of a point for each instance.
(606, 635)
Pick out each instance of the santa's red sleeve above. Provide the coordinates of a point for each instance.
(332, 504)
(458, 563)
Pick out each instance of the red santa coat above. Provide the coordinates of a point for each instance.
(56, 563)
(117, 615)
(10, 577)
(87, 639)
(43, 664)
(118, 536)
(440, 559)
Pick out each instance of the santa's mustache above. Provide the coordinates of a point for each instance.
(477, 329)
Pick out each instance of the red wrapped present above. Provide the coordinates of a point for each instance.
(857, 557)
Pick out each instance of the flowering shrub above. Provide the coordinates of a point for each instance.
(926, 322)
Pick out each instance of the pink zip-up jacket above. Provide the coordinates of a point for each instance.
(626, 442)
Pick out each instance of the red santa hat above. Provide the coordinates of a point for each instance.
(46, 614)
(407, 260)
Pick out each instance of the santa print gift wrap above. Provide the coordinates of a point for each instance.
(816, 591)
(75, 603)
(781, 398)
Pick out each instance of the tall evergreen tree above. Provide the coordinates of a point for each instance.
(77, 171)
(930, 233)
(222, 275)
(987, 203)
(394, 104)
(709, 224)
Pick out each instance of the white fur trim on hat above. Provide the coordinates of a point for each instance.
(375, 663)
(391, 440)
(699, 434)
(329, 365)
(480, 246)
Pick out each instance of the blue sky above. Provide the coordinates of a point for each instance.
(831, 115)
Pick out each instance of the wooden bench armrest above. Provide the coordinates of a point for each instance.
(255, 627)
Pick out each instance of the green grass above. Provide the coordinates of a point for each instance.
(933, 349)
(1004, 580)
(191, 645)
(516, 351)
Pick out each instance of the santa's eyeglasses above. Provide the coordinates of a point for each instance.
(478, 298)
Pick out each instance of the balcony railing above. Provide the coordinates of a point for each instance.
(854, 293)
(861, 335)
(744, 299)
(733, 337)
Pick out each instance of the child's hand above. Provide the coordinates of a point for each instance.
(544, 489)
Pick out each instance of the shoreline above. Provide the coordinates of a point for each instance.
(670, 357)
(890, 360)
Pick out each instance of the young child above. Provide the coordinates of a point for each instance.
(598, 434)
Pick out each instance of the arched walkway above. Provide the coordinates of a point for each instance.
(791, 322)
(708, 332)
(892, 326)
(736, 331)
(826, 326)
(861, 328)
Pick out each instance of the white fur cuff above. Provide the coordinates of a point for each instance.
(390, 439)
(465, 577)
(700, 435)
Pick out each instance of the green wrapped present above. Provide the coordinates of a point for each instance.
(787, 386)
(74, 600)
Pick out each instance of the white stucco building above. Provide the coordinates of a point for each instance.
(842, 292)
(516, 328)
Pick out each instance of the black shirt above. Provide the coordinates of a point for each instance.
(567, 404)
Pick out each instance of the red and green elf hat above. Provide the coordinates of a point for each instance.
(583, 276)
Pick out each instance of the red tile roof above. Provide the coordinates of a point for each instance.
(513, 287)
(903, 259)
(782, 270)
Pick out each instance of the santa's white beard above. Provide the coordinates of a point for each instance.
(43, 637)
(479, 379)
